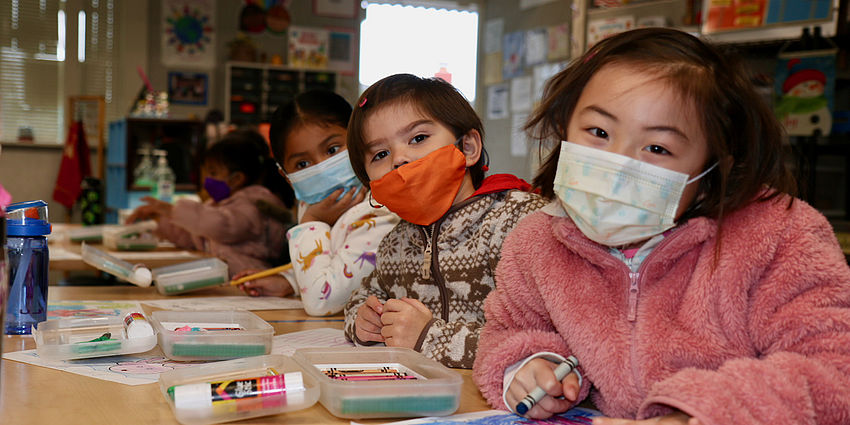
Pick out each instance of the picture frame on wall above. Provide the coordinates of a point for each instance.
(336, 8)
(342, 50)
(185, 88)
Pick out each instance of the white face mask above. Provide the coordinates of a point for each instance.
(616, 200)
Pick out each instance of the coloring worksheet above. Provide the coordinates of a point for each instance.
(130, 369)
(238, 302)
(58, 309)
(574, 416)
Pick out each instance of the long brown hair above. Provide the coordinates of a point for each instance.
(742, 133)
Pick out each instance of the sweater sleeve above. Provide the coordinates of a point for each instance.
(326, 277)
(177, 235)
(517, 324)
(225, 223)
(799, 324)
(371, 286)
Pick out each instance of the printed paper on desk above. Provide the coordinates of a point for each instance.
(574, 416)
(323, 337)
(237, 302)
(131, 369)
(57, 309)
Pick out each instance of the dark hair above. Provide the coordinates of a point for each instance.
(246, 151)
(433, 96)
(320, 107)
(742, 133)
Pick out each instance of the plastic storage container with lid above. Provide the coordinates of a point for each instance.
(381, 382)
(87, 337)
(135, 274)
(212, 335)
(190, 276)
(132, 237)
(238, 389)
(27, 228)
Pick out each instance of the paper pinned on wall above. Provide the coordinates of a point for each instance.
(493, 68)
(536, 44)
(528, 4)
(519, 139)
(497, 102)
(559, 42)
(493, 30)
(513, 54)
(521, 94)
(188, 33)
(542, 74)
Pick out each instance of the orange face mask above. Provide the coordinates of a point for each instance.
(423, 190)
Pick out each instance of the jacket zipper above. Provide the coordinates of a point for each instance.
(430, 266)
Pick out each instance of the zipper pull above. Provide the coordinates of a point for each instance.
(426, 262)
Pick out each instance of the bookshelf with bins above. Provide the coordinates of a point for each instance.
(254, 90)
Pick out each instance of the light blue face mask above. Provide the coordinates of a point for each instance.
(315, 183)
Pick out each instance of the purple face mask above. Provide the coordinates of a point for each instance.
(218, 189)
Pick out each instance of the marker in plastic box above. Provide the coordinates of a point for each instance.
(239, 395)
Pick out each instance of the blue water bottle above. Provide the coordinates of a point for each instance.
(26, 242)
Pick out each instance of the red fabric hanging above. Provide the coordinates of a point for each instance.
(75, 166)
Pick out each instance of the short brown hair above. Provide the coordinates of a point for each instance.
(434, 97)
(742, 133)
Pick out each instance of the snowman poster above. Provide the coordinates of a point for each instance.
(805, 92)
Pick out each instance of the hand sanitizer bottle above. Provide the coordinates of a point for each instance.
(163, 177)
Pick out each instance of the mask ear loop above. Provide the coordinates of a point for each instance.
(371, 204)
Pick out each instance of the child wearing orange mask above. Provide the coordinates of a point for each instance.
(419, 145)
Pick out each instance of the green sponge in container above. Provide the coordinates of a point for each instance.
(190, 276)
(211, 335)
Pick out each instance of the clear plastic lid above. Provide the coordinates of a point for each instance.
(245, 388)
(131, 237)
(212, 335)
(82, 338)
(381, 382)
(135, 274)
(190, 276)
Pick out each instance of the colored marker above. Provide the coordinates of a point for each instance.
(264, 392)
(538, 393)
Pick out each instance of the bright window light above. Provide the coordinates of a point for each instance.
(60, 38)
(81, 36)
(404, 39)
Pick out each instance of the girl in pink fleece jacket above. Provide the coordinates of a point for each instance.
(672, 262)
(229, 224)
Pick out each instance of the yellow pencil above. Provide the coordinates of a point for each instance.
(264, 273)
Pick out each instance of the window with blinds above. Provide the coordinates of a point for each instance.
(49, 50)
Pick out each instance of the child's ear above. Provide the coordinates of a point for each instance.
(471, 146)
(237, 180)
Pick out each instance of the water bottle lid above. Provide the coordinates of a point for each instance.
(27, 219)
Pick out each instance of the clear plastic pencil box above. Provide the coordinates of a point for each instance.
(190, 276)
(90, 234)
(429, 388)
(244, 388)
(132, 237)
(212, 335)
(136, 274)
(83, 338)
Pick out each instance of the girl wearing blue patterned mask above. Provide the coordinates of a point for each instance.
(334, 243)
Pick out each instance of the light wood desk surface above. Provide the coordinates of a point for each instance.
(38, 395)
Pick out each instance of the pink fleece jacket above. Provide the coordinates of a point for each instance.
(233, 230)
(761, 336)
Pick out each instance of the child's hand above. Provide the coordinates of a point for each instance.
(329, 209)
(153, 210)
(677, 418)
(367, 325)
(269, 286)
(403, 321)
(540, 372)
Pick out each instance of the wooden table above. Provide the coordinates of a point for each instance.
(38, 395)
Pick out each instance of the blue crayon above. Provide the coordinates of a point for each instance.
(538, 393)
